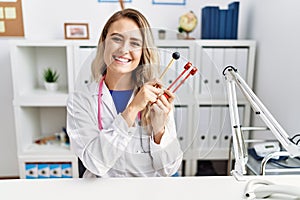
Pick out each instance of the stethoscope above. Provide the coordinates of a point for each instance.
(100, 126)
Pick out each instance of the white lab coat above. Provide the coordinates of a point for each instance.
(117, 150)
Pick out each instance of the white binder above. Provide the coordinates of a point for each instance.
(181, 120)
(214, 127)
(83, 62)
(206, 72)
(218, 87)
(202, 128)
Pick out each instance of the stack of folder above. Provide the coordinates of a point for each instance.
(48, 170)
(220, 23)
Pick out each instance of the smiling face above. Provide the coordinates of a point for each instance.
(123, 47)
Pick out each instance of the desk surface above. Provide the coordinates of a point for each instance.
(171, 188)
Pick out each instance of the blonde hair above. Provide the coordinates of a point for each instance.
(148, 67)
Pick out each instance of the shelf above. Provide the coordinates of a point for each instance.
(41, 97)
(47, 150)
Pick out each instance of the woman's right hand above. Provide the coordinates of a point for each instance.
(148, 93)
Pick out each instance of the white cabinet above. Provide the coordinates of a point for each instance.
(201, 107)
(39, 113)
(203, 121)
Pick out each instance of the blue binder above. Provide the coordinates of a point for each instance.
(55, 170)
(43, 170)
(228, 29)
(223, 20)
(214, 22)
(235, 16)
(206, 22)
(31, 170)
(66, 170)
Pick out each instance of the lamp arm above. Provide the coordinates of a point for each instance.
(233, 78)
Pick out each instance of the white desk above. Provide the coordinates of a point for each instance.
(173, 188)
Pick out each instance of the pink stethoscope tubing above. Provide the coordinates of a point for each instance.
(99, 102)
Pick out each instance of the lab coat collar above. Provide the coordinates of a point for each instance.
(108, 100)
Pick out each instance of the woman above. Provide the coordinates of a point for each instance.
(120, 125)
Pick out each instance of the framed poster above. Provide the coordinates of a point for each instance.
(169, 2)
(124, 1)
(76, 31)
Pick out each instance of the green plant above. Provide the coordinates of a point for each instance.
(50, 75)
(180, 29)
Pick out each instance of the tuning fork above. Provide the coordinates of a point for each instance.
(192, 72)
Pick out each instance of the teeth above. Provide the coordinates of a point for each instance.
(121, 59)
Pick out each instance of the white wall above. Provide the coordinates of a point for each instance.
(274, 24)
(259, 20)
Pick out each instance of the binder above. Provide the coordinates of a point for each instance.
(55, 170)
(219, 23)
(203, 126)
(230, 57)
(206, 22)
(186, 88)
(242, 62)
(31, 170)
(171, 73)
(225, 128)
(166, 56)
(206, 71)
(43, 170)
(235, 16)
(218, 87)
(222, 23)
(66, 170)
(228, 33)
(242, 65)
(181, 119)
(82, 69)
(214, 127)
(214, 22)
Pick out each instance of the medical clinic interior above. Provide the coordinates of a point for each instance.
(233, 68)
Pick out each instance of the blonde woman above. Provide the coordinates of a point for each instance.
(120, 125)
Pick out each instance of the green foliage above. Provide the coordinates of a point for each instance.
(50, 75)
(180, 29)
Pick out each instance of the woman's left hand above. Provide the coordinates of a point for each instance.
(160, 111)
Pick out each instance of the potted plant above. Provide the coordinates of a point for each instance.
(50, 79)
(180, 34)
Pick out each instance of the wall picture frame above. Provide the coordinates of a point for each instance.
(114, 1)
(169, 2)
(76, 31)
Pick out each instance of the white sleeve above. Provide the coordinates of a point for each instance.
(167, 156)
(98, 150)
